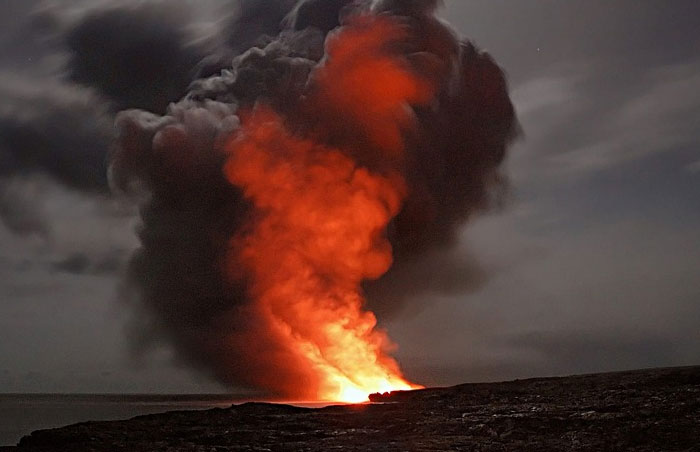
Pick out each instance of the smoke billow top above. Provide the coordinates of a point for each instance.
(302, 185)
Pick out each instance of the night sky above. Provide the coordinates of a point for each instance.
(591, 264)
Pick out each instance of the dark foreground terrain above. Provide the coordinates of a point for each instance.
(648, 410)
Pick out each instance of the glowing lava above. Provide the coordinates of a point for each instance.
(320, 217)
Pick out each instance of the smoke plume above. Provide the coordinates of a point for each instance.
(330, 164)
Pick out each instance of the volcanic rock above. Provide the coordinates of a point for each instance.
(646, 410)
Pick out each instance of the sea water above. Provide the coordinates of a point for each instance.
(20, 414)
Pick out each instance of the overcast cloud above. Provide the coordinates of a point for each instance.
(591, 265)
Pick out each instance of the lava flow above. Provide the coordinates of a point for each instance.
(320, 217)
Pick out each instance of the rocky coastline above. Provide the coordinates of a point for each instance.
(646, 410)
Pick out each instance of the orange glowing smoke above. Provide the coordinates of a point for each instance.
(320, 217)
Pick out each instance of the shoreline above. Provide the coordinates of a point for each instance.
(651, 409)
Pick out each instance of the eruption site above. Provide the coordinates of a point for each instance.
(283, 196)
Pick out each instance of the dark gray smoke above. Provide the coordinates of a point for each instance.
(191, 212)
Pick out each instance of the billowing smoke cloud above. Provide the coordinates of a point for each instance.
(180, 280)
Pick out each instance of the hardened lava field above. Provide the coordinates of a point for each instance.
(647, 410)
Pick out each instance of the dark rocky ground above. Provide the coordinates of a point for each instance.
(647, 410)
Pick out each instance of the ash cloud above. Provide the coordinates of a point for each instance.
(176, 280)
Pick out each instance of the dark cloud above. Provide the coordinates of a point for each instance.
(609, 111)
(48, 129)
(22, 47)
(138, 56)
(81, 263)
(587, 351)
(135, 54)
(77, 263)
(19, 208)
(55, 129)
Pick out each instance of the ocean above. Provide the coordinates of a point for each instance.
(20, 414)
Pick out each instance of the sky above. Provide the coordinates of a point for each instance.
(590, 265)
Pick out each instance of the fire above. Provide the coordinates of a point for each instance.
(320, 216)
